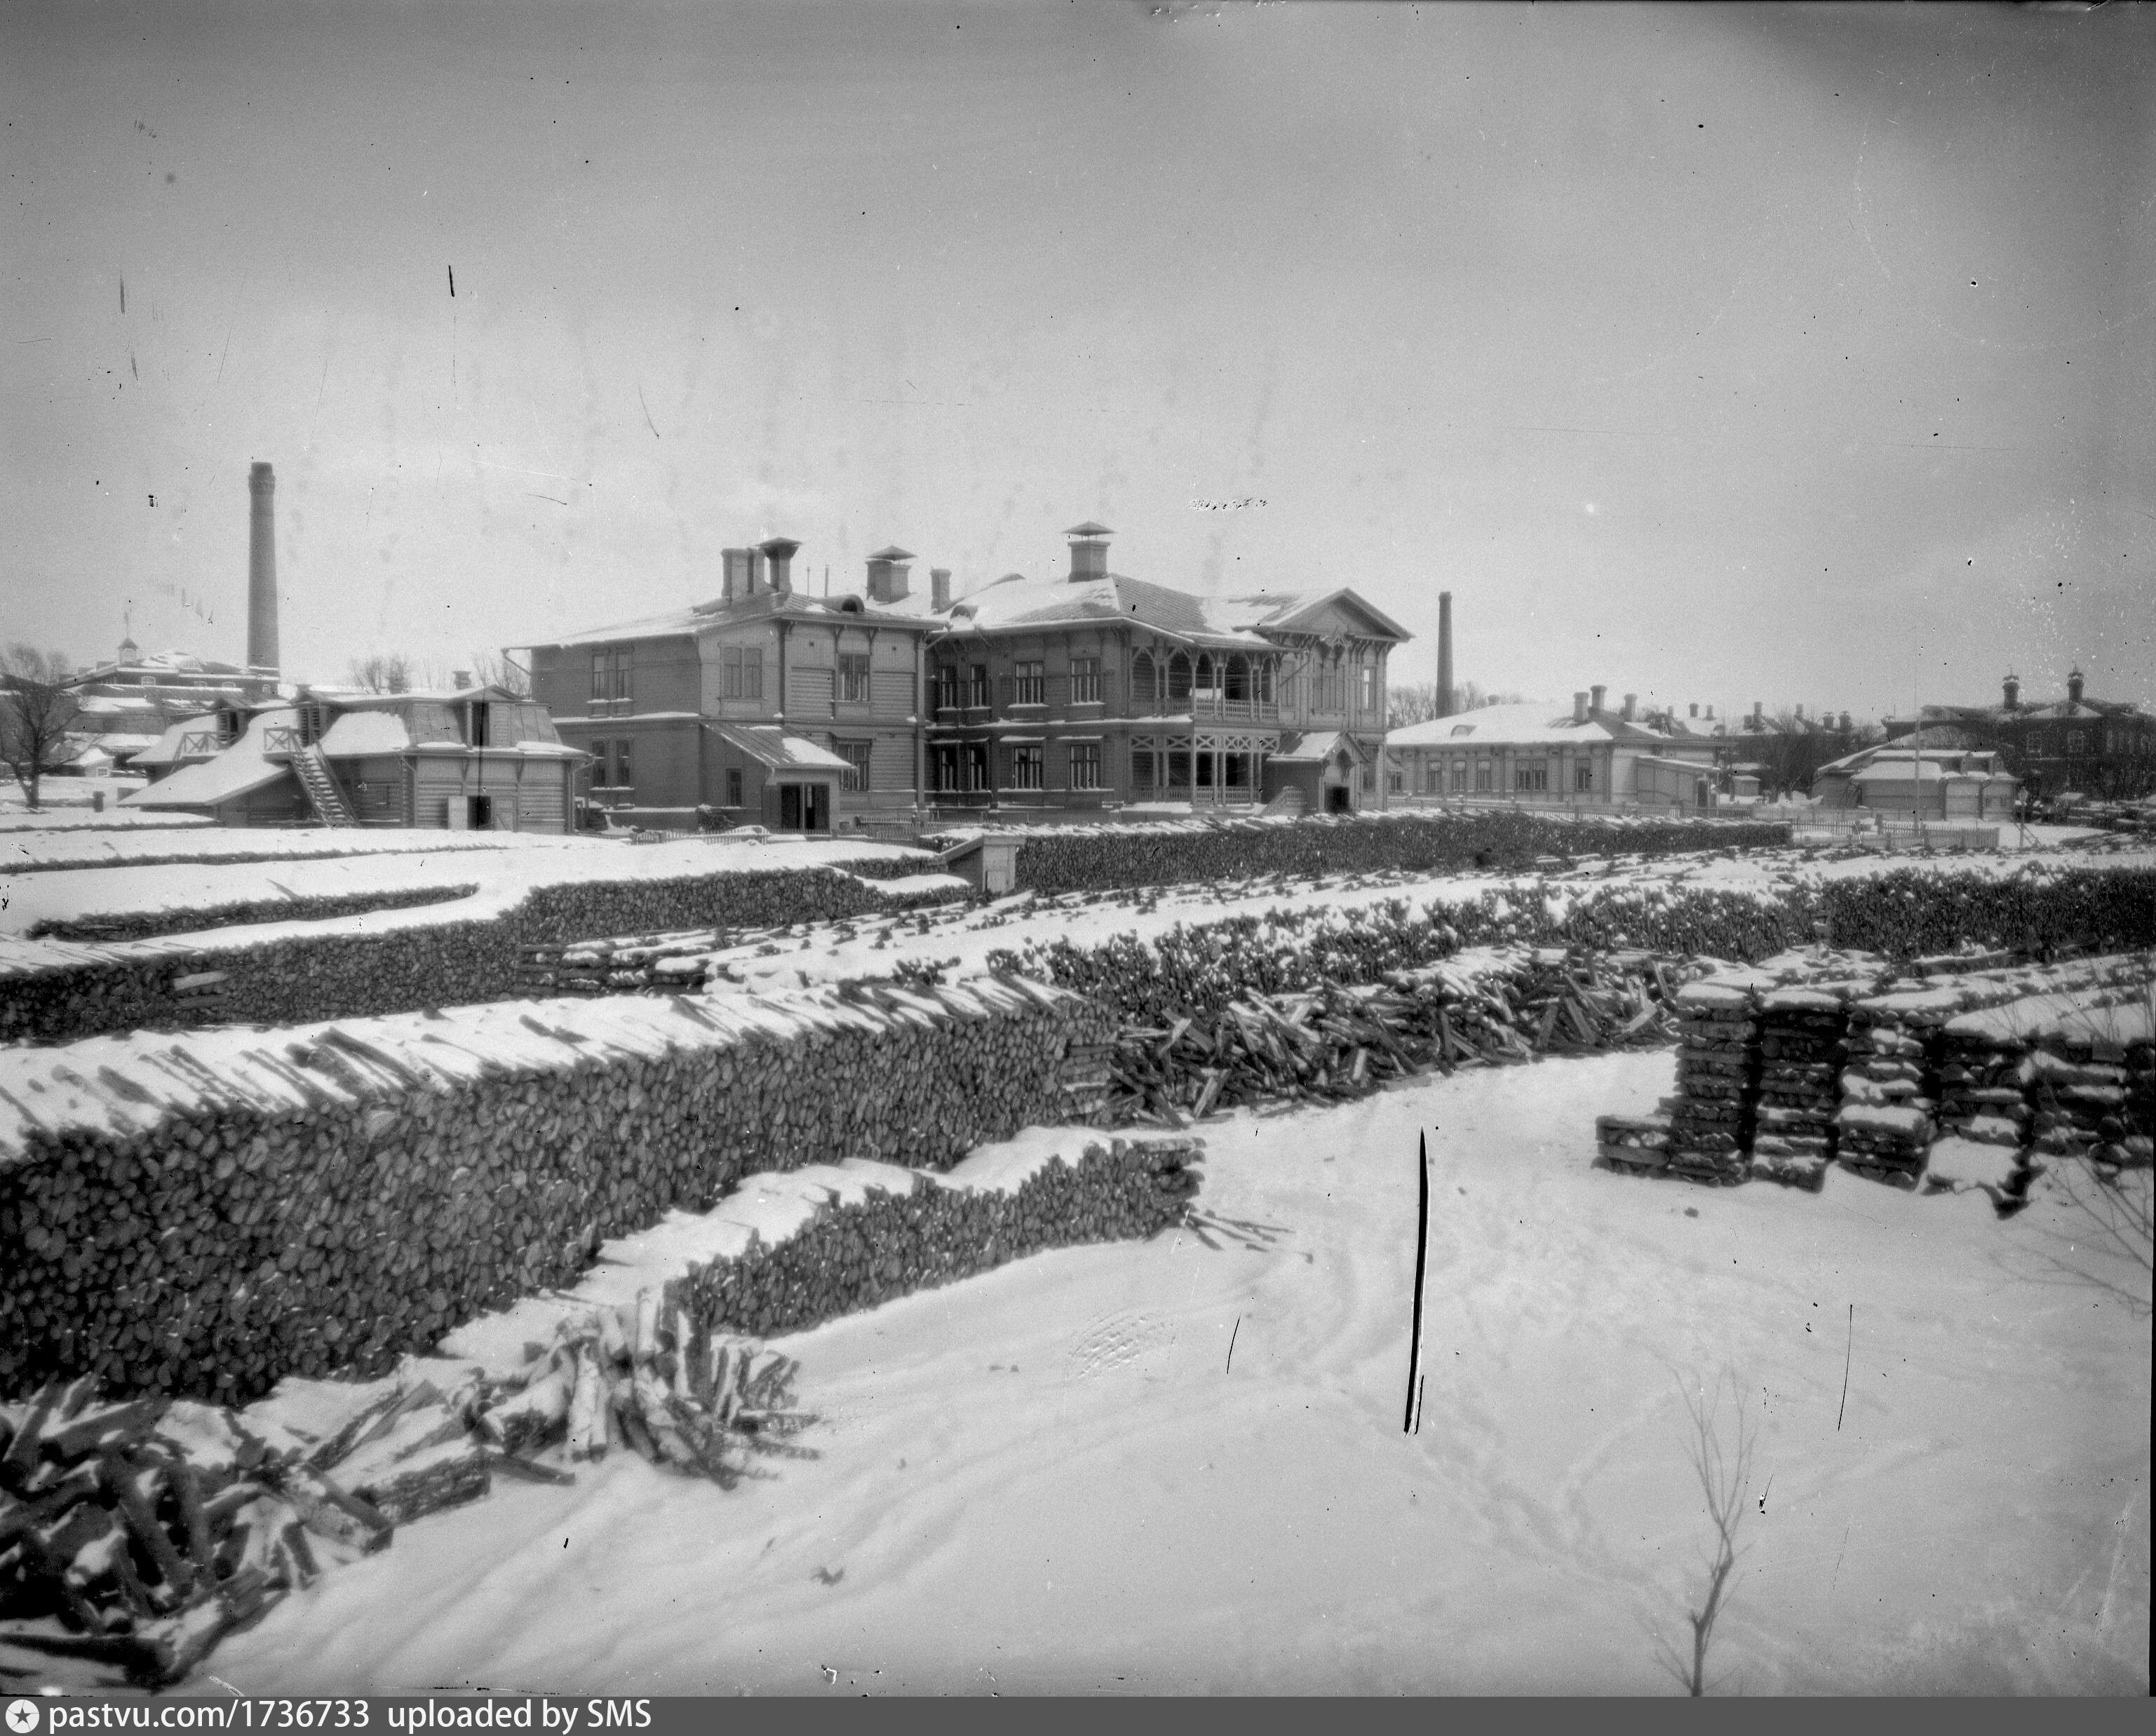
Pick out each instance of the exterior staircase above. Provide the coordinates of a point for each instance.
(312, 768)
(1288, 803)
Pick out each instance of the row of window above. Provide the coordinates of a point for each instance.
(1529, 777)
(612, 767)
(741, 675)
(1172, 681)
(958, 766)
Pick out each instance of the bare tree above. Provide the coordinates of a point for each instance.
(495, 669)
(1724, 1475)
(1417, 702)
(381, 673)
(37, 712)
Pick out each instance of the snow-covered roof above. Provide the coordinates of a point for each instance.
(165, 749)
(1016, 604)
(239, 769)
(766, 744)
(1315, 748)
(1535, 724)
(705, 616)
(366, 732)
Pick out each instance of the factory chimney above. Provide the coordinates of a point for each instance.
(1445, 654)
(939, 588)
(262, 569)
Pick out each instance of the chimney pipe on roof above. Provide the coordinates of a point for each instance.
(1580, 706)
(939, 588)
(1799, 713)
(1445, 654)
(262, 569)
(2012, 685)
(460, 678)
(2074, 688)
(1088, 550)
(779, 551)
(1758, 714)
(1844, 723)
(1631, 705)
(1598, 690)
(887, 574)
(1710, 714)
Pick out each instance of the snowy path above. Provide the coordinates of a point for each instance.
(1051, 1478)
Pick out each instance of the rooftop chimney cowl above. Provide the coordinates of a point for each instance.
(779, 551)
(2074, 687)
(1598, 690)
(939, 588)
(1088, 550)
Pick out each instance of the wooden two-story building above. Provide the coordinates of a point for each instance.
(1093, 690)
(763, 706)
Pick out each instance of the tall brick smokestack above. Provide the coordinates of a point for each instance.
(1445, 654)
(262, 569)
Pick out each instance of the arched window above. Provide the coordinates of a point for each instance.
(1206, 679)
(1145, 679)
(1178, 677)
(1239, 677)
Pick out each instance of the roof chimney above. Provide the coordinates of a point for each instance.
(2013, 687)
(1600, 690)
(262, 569)
(1799, 713)
(1710, 714)
(939, 588)
(1631, 705)
(1580, 706)
(460, 678)
(1445, 654)
(887, 574)
(1758, 714)
(779, 551)
(744, 572)
(1694, 711)
(1088, 550)
(2074, 688)
(1844, 723)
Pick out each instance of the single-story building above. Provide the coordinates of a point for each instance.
(466, 758)
(1537, 756)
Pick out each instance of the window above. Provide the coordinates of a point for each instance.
(622, 776)
(977, 765)
(1433, 779)
(1531, 775)
(853, 677)
(597, 750)
(1145, 678)
(1582, 777)
(946, 687)
(1026, 765)
(1482, 775)
(943, 767)
(1141, 770)
(1085, 765)
(1368, 675)
(978, 697)
(734, 798)
(1178, 678)
(476, 727)
(1395, 783)
(2077, 742)
(610, 677)
(741, 672)
(1369, 777)
(1085, 686)
(1030, 690)
(1206, 679)
(856, 756)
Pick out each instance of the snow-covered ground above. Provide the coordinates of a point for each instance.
(26, 851)
(1058, 1477)
(68, 801)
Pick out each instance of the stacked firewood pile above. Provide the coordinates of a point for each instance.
(1802, 1047)
(1984, 1077)
(1890, 1088)
(206, 1214)
(137, 1532)
(1711, 1112)
(1637, 1143)
(1338, 1041)
(59, 991)
(2091, 1095)
(854, 1255)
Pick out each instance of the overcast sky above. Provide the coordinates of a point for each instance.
(1801, 356)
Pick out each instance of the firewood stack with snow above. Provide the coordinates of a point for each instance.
(1802, 1046)
(1717, 1083)
(1983, 1086)
(1639, 1143)
(1889, 1090)
(2089, 1098)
